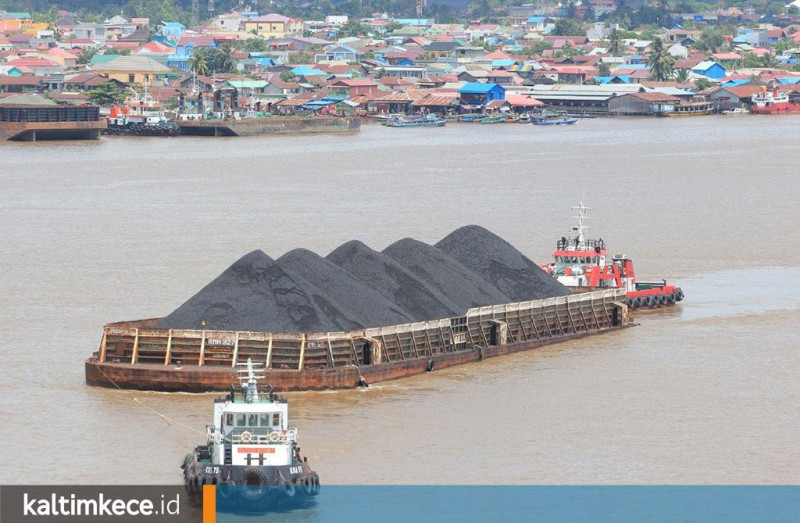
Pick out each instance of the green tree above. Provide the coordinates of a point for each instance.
(85, 56)
(106, 93)
(253, 45)
(288, 76)
(568, 27)
(682, 75)
(603, 69)
(353, 28)
(768, 60)
(301, 57)
(660, 61)
(223, 60)
(199, 62)
(615, 44)
(537, 48)
(702, 84)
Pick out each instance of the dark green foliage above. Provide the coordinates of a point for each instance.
(106, 93)
(568, 27)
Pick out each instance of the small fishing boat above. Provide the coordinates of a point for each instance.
(736, 111)
(251, 454)
(492, 118)
(430, 120)
(583, 265)
(554, 121)
(470, 117)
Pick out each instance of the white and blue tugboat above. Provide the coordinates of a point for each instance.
(251, 454)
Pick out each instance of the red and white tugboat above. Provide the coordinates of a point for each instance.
(251, 454)
(772, 102)
(584, 265)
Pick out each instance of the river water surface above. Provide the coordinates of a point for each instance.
(129, 228)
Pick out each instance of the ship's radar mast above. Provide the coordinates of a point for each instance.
(248, 377)
(582, 215)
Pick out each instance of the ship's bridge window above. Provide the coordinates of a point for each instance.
(263, 420)
(276, 420)
(241, 420)
(252, 420)
(229, 419)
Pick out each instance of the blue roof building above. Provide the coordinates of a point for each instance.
(479, 94)
(709, 69)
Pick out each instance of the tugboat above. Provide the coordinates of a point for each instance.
(584, 265)
(141, 116)
(251, 453)
(774, 102)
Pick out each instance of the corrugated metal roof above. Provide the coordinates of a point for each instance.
(436, 100)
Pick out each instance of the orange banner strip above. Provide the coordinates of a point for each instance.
(209, 504)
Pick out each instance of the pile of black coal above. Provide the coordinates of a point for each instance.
(356, 287)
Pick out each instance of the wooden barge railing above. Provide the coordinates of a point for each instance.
(138, 342)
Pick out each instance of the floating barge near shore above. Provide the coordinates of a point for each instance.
(50, 122)
(269, 125)
(136, 355)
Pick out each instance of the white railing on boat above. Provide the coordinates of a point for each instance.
(256, 436)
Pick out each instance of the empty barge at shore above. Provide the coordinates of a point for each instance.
(136, 355)
(32, 123)
(269, 125)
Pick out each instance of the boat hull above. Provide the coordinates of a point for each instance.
(776, 109)
(242, 488)
(270, 125)
(133, 355)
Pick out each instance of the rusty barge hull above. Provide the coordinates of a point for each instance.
(134, 355)
(33, 123)
(271, 125)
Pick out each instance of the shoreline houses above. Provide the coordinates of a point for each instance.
(401, 65)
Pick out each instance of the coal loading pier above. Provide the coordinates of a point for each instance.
(138, 356)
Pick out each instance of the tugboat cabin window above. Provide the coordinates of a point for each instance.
(264, 420)
(241, 420)
(229, 419)
(253, 420)
(276, 420)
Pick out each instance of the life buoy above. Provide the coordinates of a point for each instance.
(246, 436)
(274, 436)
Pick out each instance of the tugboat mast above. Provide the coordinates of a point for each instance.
(582, 215)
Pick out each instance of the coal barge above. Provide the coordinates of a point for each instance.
(283, 314)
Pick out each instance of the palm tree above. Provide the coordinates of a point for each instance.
(660, 61)
(682, 75)
(227, 63)
(198, 62)
(614, 43)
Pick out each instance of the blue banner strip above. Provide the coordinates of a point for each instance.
(573, 504)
